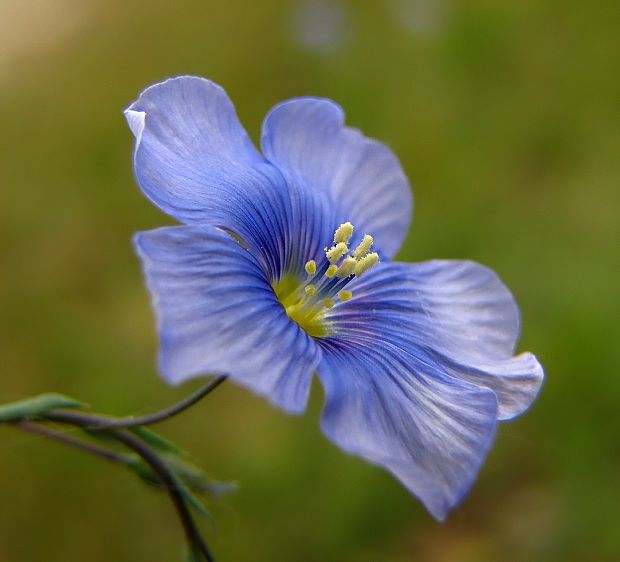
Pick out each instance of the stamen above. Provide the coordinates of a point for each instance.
(364, 247)
(366, 263)
(336, 252)
(331, 270)
(343, 233)
(308, 301)
(346, 267)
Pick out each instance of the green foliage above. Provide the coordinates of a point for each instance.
(35, 407)
(155, 440)
(190, 480)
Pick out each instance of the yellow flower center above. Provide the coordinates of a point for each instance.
(308, 301)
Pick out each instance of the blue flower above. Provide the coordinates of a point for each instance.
(282, 268)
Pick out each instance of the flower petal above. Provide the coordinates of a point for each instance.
(194, 160)
(457, 311)
(217, 313)
(406, 414)
(307, 140)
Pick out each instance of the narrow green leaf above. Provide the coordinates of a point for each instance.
(154, 439)
(189, 496)
(216, 489)
(197, 480)
(36, 407)
(192, 475)
(143, 471)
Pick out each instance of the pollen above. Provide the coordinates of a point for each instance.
(331, 270)
(366, 263)
(364, 247)
(343, 233)
(347, 267)
(308, 301)
(336, 252)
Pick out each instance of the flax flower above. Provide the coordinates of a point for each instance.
(282, 268)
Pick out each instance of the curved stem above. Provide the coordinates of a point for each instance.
(72, 441)
(168, 480)
(162, 415)
(158, 466)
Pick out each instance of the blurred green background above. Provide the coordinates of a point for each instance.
(506, 118)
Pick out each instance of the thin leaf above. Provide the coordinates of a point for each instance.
(189, 496)
(216, 489)
(145, 473)
(36, 407)
(155, 440)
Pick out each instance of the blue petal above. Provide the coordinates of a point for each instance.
(217, 313)
(406, 414)
(418, 368)
(458, 310)
(307, 140)
(195, 161)
(474, 315)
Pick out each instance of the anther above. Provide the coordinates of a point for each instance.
(366, 263)
(364, 247)
(343, 233)
(336, 252)
(346, 267)
(331, 270)
(308, 303)
(345, 295)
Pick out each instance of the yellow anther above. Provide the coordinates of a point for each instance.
(336, 252)
(345, 295)
(329, 303)
(331, 270)
(310, 290)
(366, 263)
(310, 267)
(343, 233)
(364, 247)
(346, 267)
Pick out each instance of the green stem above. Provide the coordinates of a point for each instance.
(151, 458)
(100, 452)
(162, 415)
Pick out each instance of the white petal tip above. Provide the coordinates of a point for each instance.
(135, 120)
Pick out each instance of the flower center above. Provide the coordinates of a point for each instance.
(307, 302)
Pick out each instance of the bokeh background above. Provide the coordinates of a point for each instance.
(506, 118)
